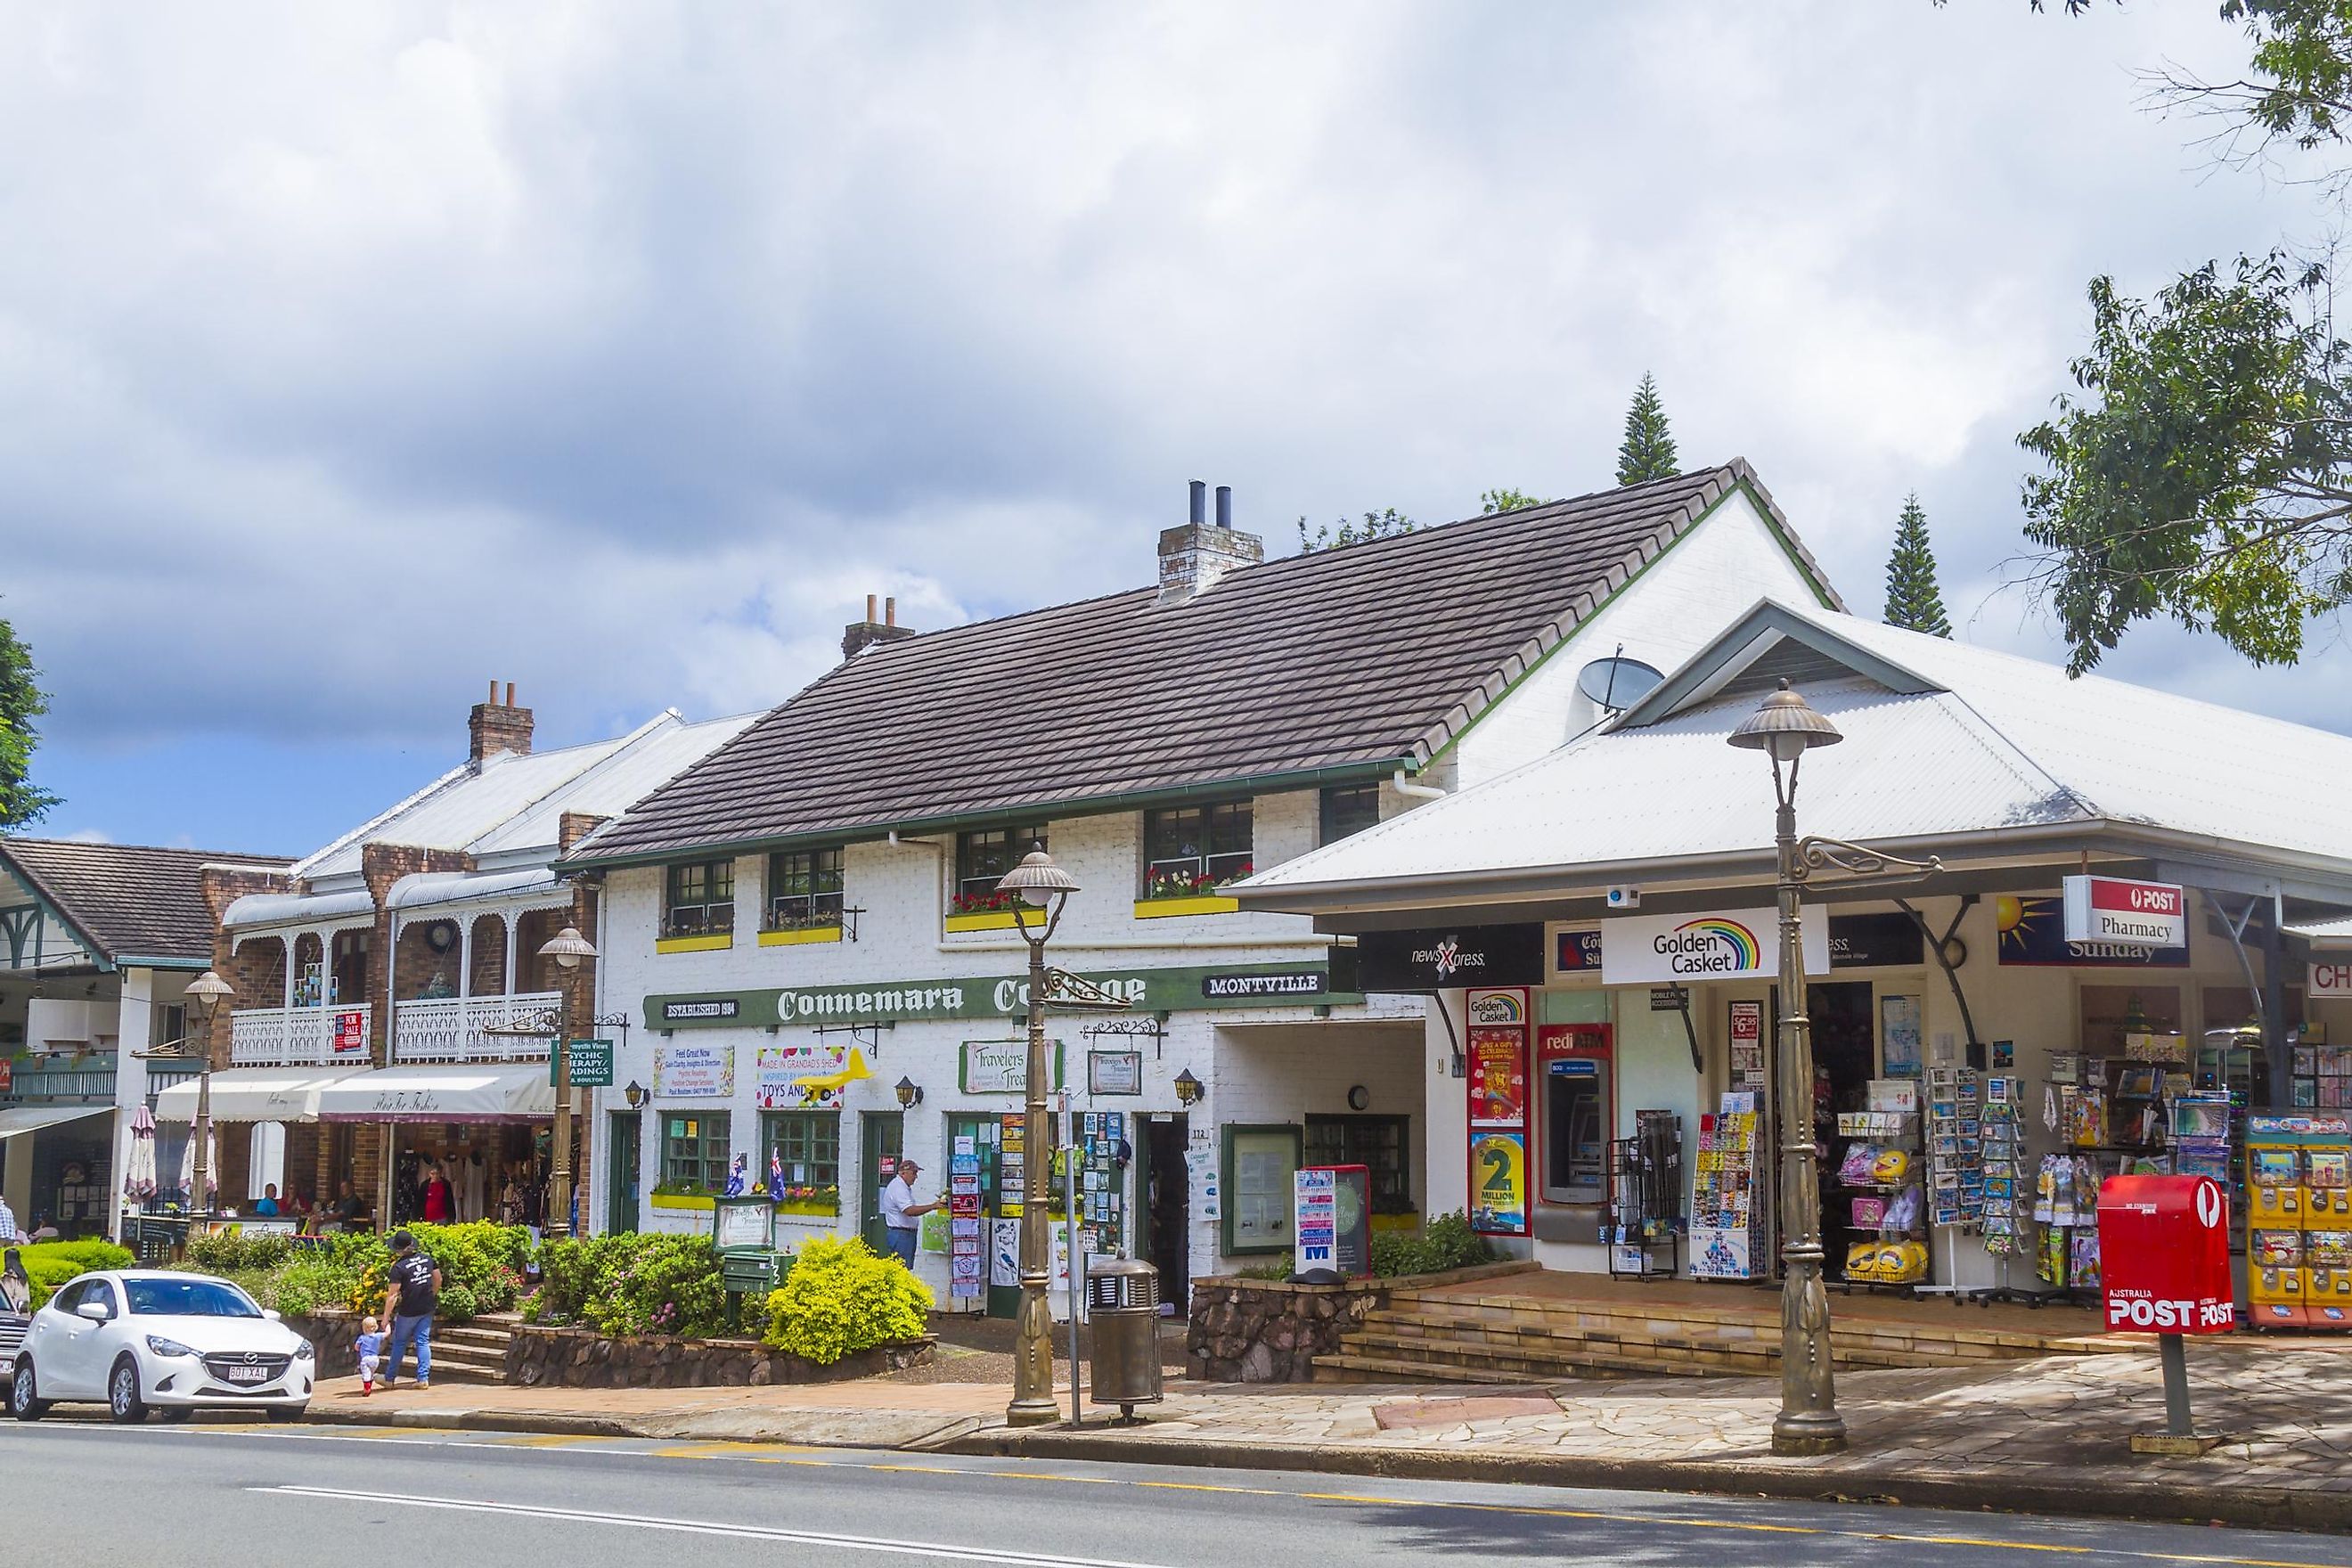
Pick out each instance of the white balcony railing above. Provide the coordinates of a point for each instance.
(298, 1036)
(451, 1029)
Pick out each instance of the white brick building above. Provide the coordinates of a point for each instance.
(816, 895)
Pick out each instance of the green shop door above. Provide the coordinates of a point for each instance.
(621, 1201)
(999, 1200)
(882, 1134)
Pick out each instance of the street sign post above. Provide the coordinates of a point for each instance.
(2164, 1262)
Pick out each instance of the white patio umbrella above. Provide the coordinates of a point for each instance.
(188, 1163)
(139, 1183)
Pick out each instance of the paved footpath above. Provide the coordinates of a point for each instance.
(2047, 1435)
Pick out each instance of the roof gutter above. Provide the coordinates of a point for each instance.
(1101, 805)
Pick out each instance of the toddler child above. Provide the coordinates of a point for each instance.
(369, 1347)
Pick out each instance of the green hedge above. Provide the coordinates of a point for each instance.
(49, 1263)
(840, 1298)
(482, 1267)
(631, 1284)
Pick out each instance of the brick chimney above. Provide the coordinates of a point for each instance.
(859, 636)
(1193, 557)
(495, 726)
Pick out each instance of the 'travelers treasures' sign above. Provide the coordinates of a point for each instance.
(1146, 990)
(1729, 944)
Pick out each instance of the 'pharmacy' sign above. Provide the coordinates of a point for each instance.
(2115, 909)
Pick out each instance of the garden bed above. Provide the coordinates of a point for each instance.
(582, 1357)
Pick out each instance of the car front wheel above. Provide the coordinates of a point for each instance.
(25, 1402)
(122, 1401)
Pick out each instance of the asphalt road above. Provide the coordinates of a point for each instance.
(204, 1495)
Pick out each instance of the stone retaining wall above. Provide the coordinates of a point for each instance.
(331, 1335)
(1265, 1330)
(582, 1357)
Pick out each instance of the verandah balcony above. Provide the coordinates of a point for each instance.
(298, 1036)
(464, 1028)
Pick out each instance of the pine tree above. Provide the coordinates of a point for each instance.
(21, 702)
(1913, 600)
(1648, 452)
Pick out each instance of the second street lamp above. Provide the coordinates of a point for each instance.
(1036, 884)
(567, 947)
(205, 993)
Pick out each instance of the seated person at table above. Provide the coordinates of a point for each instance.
(267, 1207)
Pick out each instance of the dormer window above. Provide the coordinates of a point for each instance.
(804, 889)
(981, 860)
(1191, 851)
(698, 899)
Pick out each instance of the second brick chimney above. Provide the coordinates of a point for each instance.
(859, 636)
(1192, 558)
(495, 726)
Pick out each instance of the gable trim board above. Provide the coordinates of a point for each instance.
(690, 817)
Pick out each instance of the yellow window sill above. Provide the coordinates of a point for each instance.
(718, 943)
(986, 920)
(801, 937)
(682, 1201)
(1159, 909)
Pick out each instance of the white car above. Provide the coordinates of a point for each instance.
(141, 1339)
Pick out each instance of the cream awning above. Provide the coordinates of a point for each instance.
(33, 1118)
(488, 1093)
(253, 1094)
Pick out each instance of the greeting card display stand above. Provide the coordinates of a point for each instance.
(1645, 1224)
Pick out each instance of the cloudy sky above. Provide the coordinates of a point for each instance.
(351, 356)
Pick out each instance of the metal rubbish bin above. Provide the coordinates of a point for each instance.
(1123, 1310)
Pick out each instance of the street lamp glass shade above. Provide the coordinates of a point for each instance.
(1188, 1087)
(1037, 878)
(568, 947)
(1784, 724)
(208, 991)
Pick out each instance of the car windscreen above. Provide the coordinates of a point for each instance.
(189, 1298)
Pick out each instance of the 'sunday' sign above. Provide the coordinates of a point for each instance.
(1728, 944)
(2117, 909)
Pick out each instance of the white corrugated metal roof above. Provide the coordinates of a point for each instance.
(297, 909)
(2332, 936)
(2006, 743)
(424, 890)
(511, 805)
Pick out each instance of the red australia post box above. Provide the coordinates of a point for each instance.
(2164, 1255)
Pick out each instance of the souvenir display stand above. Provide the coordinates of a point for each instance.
(1644, 1227)
(2006, 1217)
(1878, 1178)
(1955, 1167)
(1731, 1193)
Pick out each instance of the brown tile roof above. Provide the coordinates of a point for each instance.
(1359, 659)
(129, 900)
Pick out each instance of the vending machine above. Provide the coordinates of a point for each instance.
(2299, 1222)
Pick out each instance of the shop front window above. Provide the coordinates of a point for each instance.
(804, 890)
(694, 1152)
(1348, 809)
(1381, 1144)
(804, 1148)
(1191, 850)
(1260, 1175)
(981, 860)
(698, 899)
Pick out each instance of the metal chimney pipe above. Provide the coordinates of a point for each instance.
(510, 693)
(869, 607)
(1199, 502)
(1224, 506)
(891, 611)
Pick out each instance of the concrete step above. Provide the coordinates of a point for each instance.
(1535, 1361)
(1349, 1368)
(1761, 1321)
(474, 1334)
(1566, 1349)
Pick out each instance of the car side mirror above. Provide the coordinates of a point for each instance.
(273, 1314)
(94, 1311)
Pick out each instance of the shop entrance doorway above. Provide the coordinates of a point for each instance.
(1845, 1058)
(621, 1187)
(1167, 1218)
(882, 1135)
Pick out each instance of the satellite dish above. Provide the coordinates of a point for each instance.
(1617, 682)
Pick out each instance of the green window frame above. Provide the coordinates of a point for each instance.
(1258, 1171)
(696, 1147)
(982, 857)
(1348, 809)
(807, 1144)
(698, 899)
(1191, 850)
(805, 888)
(1381, 1144)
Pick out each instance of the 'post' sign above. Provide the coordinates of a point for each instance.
(2117, 909)
(2164, 1255)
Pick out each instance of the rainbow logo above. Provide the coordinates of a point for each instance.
(1743, 943)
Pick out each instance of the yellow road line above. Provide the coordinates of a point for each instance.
(533, 1440)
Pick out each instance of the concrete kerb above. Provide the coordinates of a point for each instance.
(909, 1430)
(2268, 1508)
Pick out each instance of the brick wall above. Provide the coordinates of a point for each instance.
(381, 865)
(258, 975)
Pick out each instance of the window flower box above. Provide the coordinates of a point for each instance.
(986, 919)
(683, 1201)
(715, 942)
(800, 936)
(1207, 904)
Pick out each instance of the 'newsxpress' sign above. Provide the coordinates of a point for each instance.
(2117, 909)
(1428, 959)
(1146, 990)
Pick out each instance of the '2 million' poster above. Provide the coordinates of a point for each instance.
(1498, 1111)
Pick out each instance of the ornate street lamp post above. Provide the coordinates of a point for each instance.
(1784, 727)
(206, 992)
(1037, 883)
(567, 947)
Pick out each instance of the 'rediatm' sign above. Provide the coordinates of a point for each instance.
(2117, 909)
(2164, 1255)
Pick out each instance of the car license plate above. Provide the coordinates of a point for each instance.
(248, 1375)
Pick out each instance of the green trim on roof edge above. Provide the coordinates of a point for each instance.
(1100, 806)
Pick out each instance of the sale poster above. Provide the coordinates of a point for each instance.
(1499, 1184)
(1498, 1077)
(1747, 1042)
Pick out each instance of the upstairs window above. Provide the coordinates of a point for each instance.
(1349, 809)
(1191, 850)
(698, 899)
(804, 890)
(981, 860)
